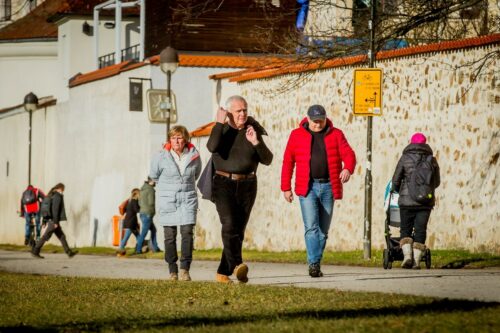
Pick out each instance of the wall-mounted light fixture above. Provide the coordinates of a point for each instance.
(109, 25)
(87, 29)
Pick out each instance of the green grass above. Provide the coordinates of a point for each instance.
(440, 258)
(54, 303)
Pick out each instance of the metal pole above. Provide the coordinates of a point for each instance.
(96, 37)
(118, 32)
(169, 101)
(142, 28)
(367, 239)
(29, 148)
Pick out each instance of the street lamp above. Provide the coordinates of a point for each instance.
(169, 60)
(30, 105)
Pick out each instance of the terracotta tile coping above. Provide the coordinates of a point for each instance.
(185, 60)
(382, 55)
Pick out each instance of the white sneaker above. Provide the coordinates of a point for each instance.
(184, 275)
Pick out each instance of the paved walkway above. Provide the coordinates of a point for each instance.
(472, 284)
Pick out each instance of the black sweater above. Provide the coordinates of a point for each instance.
(232, 152)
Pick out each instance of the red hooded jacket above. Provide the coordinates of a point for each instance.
(298, 154)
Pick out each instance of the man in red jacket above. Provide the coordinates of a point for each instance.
(30, 208)
(324, 161)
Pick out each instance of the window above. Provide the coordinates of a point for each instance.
(32, 4)
(7, 10)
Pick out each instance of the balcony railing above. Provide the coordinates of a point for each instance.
(129, 53)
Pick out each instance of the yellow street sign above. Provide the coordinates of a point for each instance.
(368, 92)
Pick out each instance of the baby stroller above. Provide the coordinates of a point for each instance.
(393, 251)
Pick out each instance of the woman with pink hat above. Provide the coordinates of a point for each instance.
(415, 178)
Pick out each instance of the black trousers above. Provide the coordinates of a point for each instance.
(234, 200)
(171, 257)
(417, 219)
(51, 229)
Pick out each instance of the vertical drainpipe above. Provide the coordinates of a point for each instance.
(142, 28)
(96, 37)
(118, 30)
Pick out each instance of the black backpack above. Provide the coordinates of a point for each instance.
(421, 184)
(29, 197)
(45, 208)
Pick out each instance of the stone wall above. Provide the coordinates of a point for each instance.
(423, 93)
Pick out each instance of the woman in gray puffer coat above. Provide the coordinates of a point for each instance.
(175, 170)
(414, 214)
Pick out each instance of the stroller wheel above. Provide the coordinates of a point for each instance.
(428, 261)
(387, 262)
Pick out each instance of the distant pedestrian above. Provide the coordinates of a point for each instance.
(175, 170)
(417, 171)
(324, 161)
(237, 148)
(30, 209)
(57, 213)
(130, 223)
(146, 213)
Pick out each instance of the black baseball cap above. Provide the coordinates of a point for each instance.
(316, 112)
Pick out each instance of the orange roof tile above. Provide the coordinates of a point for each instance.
(204, 130)
(39, 23)
(103, 73)
(185, 60)
(223, 60)
(409, 51)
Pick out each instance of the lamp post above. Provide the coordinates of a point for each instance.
(30, 105)
(169, 60)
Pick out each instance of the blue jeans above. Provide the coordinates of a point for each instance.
(125, 238)
(147, 224)
(28, 217)
(317, 213)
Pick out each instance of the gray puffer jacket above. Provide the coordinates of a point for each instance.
(404, 170)
(176, 198)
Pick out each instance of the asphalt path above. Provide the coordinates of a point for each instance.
(470, 284)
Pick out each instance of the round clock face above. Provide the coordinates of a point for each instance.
(158, 106)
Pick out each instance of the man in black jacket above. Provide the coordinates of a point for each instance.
(237, 148)
(414, 214)
(58, 214)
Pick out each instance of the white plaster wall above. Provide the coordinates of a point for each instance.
(26, 67)
(14, 134)
(94, 145)
(76, 49)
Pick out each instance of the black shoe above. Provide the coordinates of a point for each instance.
(36, 255)
(315, 271)
(71, 254)
(26, 241)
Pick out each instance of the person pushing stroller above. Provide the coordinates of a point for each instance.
(415, 178)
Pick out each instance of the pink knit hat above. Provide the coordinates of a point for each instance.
(418, 138)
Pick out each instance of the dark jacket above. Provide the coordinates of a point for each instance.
(147, 200)
(232, 152)
(130, 220)
(57, 207)
(406, 165)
